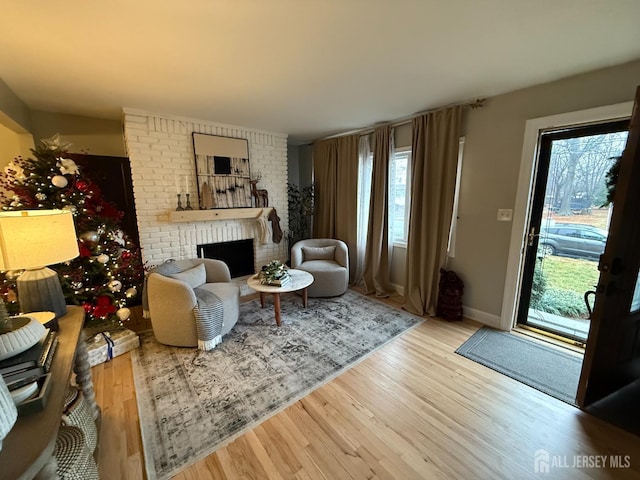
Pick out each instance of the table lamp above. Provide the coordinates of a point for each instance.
(31, 240)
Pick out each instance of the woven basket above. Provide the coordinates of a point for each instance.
(75, 462)
(78, 414)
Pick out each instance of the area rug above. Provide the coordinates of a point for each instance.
(192, 402)
(540, 366)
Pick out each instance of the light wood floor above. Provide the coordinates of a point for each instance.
(413, 409)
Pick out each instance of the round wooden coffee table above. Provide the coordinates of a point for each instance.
(300, 280)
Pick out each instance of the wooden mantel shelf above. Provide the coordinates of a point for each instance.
(216, 214)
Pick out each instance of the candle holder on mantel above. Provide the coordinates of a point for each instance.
(179, 208)
(188, 207)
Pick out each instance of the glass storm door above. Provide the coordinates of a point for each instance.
(568, 228)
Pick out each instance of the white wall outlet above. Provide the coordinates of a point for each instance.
(505, 214)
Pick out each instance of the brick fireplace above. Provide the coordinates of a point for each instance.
(160, 149)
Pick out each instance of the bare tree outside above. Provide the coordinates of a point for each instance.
(577, 172)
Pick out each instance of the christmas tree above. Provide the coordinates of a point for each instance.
(107, 276)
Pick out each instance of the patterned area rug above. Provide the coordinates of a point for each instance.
(192, 402)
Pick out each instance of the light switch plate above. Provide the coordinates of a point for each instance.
(505, 214)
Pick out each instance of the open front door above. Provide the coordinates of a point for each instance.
(612, 355)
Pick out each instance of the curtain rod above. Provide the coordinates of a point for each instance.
(478, 103)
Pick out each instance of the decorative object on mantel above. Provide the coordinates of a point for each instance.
(274, 273)
(222, 171)
(179, 208)
(260, 195)
(206, 197)
(8, 411)
(188, 205)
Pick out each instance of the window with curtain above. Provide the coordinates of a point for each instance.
(399, 195)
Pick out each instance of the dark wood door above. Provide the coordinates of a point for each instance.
(113, 176)
(612, 355)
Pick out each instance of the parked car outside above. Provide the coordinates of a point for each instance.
(572, 239)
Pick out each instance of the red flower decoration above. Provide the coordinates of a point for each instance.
(103, 307)
(84, 251)
(88, 308)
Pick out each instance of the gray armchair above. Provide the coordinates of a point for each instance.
(327, 260)
(171, 298)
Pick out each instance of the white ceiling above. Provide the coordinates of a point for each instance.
(308, 68)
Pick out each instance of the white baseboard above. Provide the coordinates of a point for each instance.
(488, 319)
(398, 288)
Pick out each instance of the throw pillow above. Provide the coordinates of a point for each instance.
(318, 253)
(194, 277)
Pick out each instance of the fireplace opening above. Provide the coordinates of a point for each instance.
(238, 255)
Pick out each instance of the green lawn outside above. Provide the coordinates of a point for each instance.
(573, 274)
(559, 285)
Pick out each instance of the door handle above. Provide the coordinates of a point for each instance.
(531, 236)
(586, 301)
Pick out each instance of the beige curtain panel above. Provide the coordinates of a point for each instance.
(377, 258)
(434, 160)
(335, 164)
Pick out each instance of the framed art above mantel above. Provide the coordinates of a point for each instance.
(222, 171)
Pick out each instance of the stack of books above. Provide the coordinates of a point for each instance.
(280, 282)
(28, 366)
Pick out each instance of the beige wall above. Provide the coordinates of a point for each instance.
(492, 154)
(95, 136)
(13, 144)
(14, 114)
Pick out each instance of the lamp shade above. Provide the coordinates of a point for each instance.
(36, 238)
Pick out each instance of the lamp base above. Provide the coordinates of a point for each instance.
(39, 290)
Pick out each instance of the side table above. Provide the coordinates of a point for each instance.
(28, 448)
(300, 280)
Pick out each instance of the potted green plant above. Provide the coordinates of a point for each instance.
(274, 273)
(301, 209)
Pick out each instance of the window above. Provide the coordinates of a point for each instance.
(399, 195)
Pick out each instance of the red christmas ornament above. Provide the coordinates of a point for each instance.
(88, 308)
(126, 255)
(82, 185)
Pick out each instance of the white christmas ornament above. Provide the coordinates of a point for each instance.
(115, 285)
(123, 313)
(67, 166)
(131, 292)
(118, 237)
(59, 181)
(103, 258)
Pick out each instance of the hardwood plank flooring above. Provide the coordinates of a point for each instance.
(414, 409)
